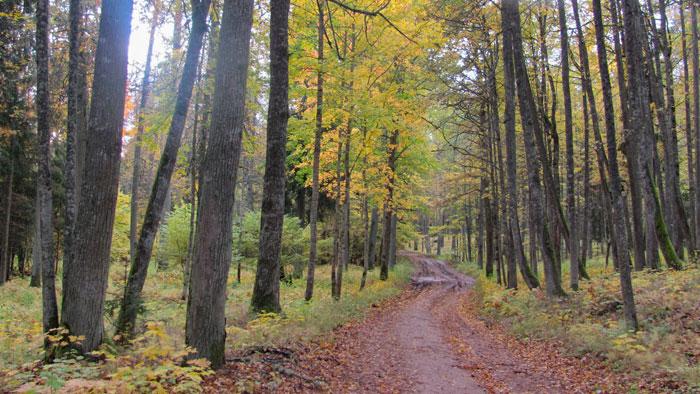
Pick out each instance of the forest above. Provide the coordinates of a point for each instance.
(458, 196)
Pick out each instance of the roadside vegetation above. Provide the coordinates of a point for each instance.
(590, 323)
(153, 360)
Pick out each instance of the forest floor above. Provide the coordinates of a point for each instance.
(428, 339)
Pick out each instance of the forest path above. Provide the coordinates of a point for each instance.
(444, 347)
(429, 339)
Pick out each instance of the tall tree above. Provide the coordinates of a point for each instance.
(205, 327)
(85, 279)
(140, 128)
(77, 119)
(318, 133)
(639, 116)
(688, 130)
(696, 113)
(530, 279)
(535, 153)
(618, 216)
(266, 289)
(389, 203)
(569, 130)
(43, 111)
(168, 159)
(678, 226)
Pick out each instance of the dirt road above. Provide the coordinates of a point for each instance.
(428, 340)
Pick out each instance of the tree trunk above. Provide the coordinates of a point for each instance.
(206, 321)
(43, 111)
(570, 183)
(193, 193)
(85, 280)
(337, 218)
(468, 220)
(511, 155)
(639, 121)
(5, 257)
(161, 185)
(696, 116)
(676, 211)
(266, 289)
(365, 227)
(688, 133)
(488, 227)
(389, 204)
(392, 241)
(534, 139)
(136, 174)
(374, 219)
(586, 214)
(589, 102)
(75, 132)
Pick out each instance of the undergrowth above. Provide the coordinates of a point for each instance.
(590, 321)
(155, 360)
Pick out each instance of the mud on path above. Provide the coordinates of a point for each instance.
(427, 340)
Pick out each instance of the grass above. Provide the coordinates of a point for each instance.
(666, 349)
(164, 316)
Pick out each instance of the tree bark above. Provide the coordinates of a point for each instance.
(688, 132)
(206, 321)
(365, 225)
(618, 216)
(136, 174)
(389, 204)
(43, 111)
(530, 279)
(569, 131)
(85, 281)
(374, 219)
(678, 225)
(535, 161)
(5, 257)
(266, 289)
(639, 132)
(75, 132)
(161, 185)
(696, 116)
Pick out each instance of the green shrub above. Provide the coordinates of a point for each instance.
(176, 231)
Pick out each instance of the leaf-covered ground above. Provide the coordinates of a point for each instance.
(431, 338)
(153, 361)
(661, 357)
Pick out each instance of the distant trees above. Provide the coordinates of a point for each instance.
(636, 207)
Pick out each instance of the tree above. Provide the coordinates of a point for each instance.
(570, 185)
(266, 289)
(140, 126)
(618, 214)
(161, 184)
(48, 273)
(77, 119)
(205, 326)
(313, 209)
(509, 85)
(535, 152)
(85, 278)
